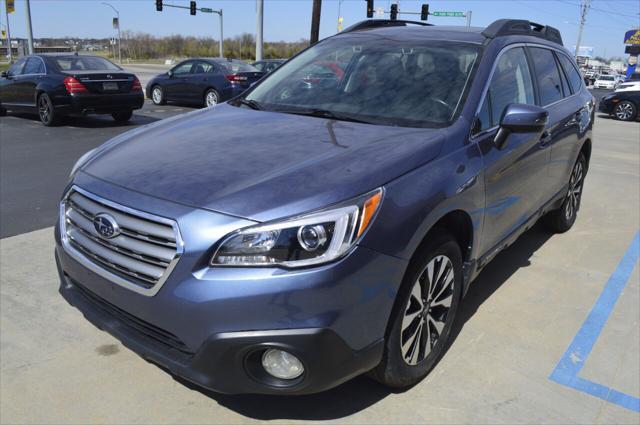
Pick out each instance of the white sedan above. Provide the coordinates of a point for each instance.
(606, 82)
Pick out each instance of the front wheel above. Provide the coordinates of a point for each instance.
(122, 116)
(625, 111)
(562, 219)
(423, 316)
(157, 95)
(46, 110)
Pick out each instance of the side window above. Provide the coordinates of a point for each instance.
(571, 72)
(549, 82)
(33, 66)
(483, 120)
(511, 83)
(259, 66)
(16, 68)
(201, 67)
(183, 68)
(565, 84)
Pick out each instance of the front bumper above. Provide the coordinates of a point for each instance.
(99, 103)
(605, 106)
(205, 323)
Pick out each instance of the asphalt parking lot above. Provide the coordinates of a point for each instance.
(549, 333)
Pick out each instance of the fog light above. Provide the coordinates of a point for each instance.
(281, 364)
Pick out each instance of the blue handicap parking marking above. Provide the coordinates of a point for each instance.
(567, 369)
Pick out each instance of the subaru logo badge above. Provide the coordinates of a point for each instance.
(106, 225)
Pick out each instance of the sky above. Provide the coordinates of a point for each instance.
(289, 20)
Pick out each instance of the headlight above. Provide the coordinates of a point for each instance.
(80, 162)
(301, 241)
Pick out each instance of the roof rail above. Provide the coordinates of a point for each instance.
(379, 23)
(503, 27)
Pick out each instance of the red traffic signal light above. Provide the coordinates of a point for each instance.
(424, 13)
(192, 7)
(369, 8)
(393, 14)
(159, 5)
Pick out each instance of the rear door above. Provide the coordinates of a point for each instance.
(561, 135)
(515, 175)
(198, 80)
(26, 82)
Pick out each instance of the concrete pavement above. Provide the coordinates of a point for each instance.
(514, 327)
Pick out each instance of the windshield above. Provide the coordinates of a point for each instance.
(372, 79)
(84, 63)
(238, 66)
(606, 78)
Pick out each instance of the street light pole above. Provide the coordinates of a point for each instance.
(119, 40)
(6, 11)
(259, 13)
(221, 36)
(29, 30)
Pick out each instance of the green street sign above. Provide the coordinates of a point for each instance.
(206, 10)
(449, 14)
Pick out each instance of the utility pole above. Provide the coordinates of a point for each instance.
(584, 4)
(29, 30)
(6, 12)
(259, 13)
(119, 40)
(315, 21)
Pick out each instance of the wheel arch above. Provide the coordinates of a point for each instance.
(586, 150)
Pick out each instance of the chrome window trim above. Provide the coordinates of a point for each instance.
(96, 268)
(493, 68)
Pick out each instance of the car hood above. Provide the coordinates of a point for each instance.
(260, 165)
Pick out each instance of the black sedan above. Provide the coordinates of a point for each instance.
(67, 84)
(204, 81)
(623, 105)
(268, 65)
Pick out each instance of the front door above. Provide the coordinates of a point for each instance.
(515, 176)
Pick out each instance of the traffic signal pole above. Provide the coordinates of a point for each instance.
(192, 8)
(29, 30)
(315, 21)
(259, 15)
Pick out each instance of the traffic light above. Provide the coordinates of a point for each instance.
(369, 8)
(192, 7)
(424, 13)
(393, 14)
(159, 5)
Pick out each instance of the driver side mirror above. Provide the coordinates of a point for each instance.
(170, 74)
(4, 74)
(520, 118)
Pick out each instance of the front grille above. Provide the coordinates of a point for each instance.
(144, 251)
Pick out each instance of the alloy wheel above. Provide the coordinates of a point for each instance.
(624, 111)
(575, 189)
(211, 98)
(156, 95)
(44, 108)
(427, 308)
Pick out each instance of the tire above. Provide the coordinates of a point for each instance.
(3, 111)
(122, 116)
(402, 366)
(562, 219)
(211, 98)
(46, 110)
(625, 111)
(157, 95)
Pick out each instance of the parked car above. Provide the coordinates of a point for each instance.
(54, 85)
(295, 237)
(606, 82)
(622, 105)
(203, 81)
(630, 86)
(267, 65)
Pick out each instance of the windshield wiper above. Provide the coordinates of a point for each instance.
(324, 113)
(250, 103)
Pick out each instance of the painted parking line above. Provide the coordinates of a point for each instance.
(567, 369)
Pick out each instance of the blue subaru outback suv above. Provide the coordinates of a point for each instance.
(328, 221)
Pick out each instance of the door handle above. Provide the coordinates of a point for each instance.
(546, 137)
